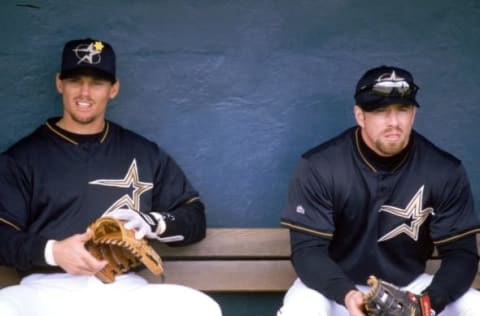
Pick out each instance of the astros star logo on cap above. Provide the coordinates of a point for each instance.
(89, 53)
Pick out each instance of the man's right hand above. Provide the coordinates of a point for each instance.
(354, 303)
(70, 254)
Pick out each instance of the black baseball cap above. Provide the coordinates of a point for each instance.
(88, 57)
(385, 85)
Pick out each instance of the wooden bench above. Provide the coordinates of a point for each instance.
(228, 260)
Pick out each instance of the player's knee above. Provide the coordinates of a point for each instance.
(302, 300)
(213, 309)
(291, 310)
(208, 306)
(8, 309)
(466, 305)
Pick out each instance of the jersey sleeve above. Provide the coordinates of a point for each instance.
(19, 248)
(176, 199)
(309, 202)
(309, 256)
(14, 194)
(454, 212)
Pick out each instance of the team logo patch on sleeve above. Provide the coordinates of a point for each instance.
(300, 210)
(413, 212)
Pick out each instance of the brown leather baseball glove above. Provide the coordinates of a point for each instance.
(112, 242)
(385, 299)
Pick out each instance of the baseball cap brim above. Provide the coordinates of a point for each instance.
(379, 102)
(87, 71)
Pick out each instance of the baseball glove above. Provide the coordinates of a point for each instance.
(112, 242)
(385, 299)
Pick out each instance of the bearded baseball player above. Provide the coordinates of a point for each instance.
(374, 202)
(75, 169)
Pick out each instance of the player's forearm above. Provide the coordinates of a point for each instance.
(21, 250)
(188, 221)
(459, 259)
(316, 269)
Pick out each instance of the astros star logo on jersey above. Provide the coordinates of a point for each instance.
(131, 180)
(414, 212)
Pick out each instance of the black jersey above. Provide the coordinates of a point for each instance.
(378, 222)
(52, 186)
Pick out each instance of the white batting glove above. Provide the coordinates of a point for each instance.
(148, 225)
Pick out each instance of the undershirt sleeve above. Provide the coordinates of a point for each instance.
(188, 221)
(457, 271)
(315, 268)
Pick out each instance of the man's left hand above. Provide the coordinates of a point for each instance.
(144, 224)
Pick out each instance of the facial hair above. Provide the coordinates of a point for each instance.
(82, 120)
(388, 149)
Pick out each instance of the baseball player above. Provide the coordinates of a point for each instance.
(376, 200)
(74, 169)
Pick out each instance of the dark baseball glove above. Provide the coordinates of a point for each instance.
(112, 242)
(385, 299)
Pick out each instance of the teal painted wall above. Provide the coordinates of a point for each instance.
(237, 90)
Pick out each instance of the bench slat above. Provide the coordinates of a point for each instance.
(228, 276)
(234, 242)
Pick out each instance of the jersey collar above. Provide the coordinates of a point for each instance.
(377, 163)
(75, 138)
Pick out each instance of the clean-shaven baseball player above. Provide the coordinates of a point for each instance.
(376, 200)
(72, 170)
